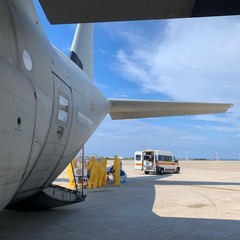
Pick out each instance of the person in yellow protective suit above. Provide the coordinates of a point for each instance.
(104, 176)
(100, 172)
(116, 169)
(93, 168)
(70, 168)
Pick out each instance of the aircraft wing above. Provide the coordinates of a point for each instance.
(82, 11)
(128, 109)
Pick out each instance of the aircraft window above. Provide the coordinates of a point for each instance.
(63, 109)
(27, 60)
(138, 157)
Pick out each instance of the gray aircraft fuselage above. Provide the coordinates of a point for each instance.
(48, 106)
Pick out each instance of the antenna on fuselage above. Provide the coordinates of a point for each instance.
(81, 52)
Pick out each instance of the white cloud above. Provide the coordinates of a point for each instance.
(186, 60)
(116, 137)
(197, 61)
(123, 137)
(216, 128)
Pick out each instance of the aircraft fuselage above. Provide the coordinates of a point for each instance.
(48, 106)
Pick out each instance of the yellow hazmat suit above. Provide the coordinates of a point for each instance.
(71, 165)
(100, 173)
(116, 168)
(93, 168)
(104, 176)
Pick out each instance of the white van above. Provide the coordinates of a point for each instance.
(156, 161)
(138, 160)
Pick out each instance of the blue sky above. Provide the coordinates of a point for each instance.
(194, 60)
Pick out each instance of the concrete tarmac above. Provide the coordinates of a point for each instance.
(200, 203)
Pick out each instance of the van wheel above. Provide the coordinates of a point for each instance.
(177, 170)
(146, 172)
(161, 172)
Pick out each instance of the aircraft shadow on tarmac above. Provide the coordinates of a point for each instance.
(124, 212)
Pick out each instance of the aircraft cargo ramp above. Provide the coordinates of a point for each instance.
(52, 196)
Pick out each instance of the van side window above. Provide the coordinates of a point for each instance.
(160, 158)
(167, 158)
(138, 157)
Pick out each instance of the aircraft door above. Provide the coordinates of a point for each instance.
(56, 139)
(62, 113)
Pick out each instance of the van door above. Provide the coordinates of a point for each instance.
(169, 164)
(138, 160)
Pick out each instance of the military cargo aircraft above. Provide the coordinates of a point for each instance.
(49, 104)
